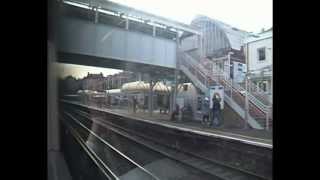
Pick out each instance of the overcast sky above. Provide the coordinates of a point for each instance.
(78, 71)
(248, 15)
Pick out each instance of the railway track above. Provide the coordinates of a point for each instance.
(184, 172)
(106, 162)
(200, 164)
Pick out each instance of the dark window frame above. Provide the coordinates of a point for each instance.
(263, 85)
(262, 57)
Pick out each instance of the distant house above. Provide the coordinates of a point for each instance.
(116, 81)
(94, 82)
(258, 49)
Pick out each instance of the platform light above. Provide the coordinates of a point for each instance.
(161, 26)
(107, 12)
(135, 19)
(173, 29)
(156, 24)
(81, 5)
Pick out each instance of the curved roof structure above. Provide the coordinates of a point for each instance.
(218, 35)
(140, 86)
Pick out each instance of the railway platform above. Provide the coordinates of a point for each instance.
(250, 136)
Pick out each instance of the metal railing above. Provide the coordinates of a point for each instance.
(252, 97)
(259, 93)
(207, 72)
(254, 90)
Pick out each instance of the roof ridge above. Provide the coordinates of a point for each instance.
(220, 22)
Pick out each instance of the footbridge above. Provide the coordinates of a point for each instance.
(107, 34)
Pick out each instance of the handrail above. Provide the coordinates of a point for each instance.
(216, 74)
(251, 84)
(219, 58)
(240, 89)
(252, 98)
(258, 91)
(199, 73)
(204, 72)
(192, 65)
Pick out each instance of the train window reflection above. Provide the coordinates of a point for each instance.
(136, 94)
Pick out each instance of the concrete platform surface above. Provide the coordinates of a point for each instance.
(237, 132)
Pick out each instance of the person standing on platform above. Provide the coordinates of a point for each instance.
(216, 110)
(134, 104)
(206, 111)
(175, 113)
(165, 104)
(161, 105)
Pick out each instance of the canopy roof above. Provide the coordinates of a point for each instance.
(139, 86)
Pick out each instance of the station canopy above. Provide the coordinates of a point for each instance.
(140, 86)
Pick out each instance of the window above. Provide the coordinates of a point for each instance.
(185, 87)
(262, 54)
(263, 86)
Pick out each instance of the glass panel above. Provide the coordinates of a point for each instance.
(127, 102)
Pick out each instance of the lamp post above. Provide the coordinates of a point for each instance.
(246, 88)
(271, 68)
(229, 63)
(246, 115)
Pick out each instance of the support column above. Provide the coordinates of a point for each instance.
(127, 24)
(229, 65)
(129, 103)
(175, 91)
(246, 109)
(171, 101)
(150, 103)
(246, 85)
(53, 123)
(200, 46)
(249, 86)
(267, 121)
(231, 88)
(271, 85)
(176, 71)
(96, 17)
(154, 30)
